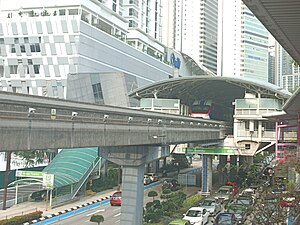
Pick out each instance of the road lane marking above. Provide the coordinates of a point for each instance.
(100, 210)
(117, 209)
(117, 215)
(118, 221)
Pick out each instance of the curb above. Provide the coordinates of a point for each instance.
(79, 209)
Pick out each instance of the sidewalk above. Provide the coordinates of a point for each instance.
(28, 207)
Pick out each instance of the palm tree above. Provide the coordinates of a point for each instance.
(97, 219)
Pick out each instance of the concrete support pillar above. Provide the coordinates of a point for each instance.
(132, 195)
(206, 174)
(133, 159)
(233, 168)
(222, 169)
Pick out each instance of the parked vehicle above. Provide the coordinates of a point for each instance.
(147, 179)
(197, 215)
(234, 186)
(171, 184)
(245, 200)
(116, 198)
(153, 177)
(239, 211)
(211, 205)
(251, 193)
(224, 193)
(180, 222)
(225, 219)
(38, 195)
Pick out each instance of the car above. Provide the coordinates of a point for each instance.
(225, 219)
(171, 184)
(289, 202)
(224, 193)
(116, 198)
(153, 177)
(234, 186)
(251, 193)
(38, 195)
(239, 211)
(197, 215)
(146, 179)
(180, 222)
(212, 205)
(244, 200)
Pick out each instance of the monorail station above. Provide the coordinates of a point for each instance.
(243, 103)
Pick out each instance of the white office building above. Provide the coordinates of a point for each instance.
(84, 50)
(242, 42)
(190, 26)
(287, 73)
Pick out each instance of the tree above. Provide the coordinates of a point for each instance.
(152, 194)
(97, 219)
(31, 157)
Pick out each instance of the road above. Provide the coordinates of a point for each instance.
(111, 214)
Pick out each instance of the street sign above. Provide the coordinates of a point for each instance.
(33, 174)
(48, 181)
(211, 151)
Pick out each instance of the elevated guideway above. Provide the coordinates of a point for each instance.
(32, 122)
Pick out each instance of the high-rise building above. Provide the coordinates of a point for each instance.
(287, 73)
(84, 50)
(191, 26)
(242, 42)
(271, 66)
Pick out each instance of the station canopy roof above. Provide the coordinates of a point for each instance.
(220, 90)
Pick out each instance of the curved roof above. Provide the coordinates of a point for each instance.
(71, 164)
(221, 90)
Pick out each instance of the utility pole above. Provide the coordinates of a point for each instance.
(8, 159)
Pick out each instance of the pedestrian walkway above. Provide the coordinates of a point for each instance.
(27, 207)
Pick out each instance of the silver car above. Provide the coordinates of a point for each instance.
(212, 205)
(224, 193)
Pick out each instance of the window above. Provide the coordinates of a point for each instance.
(35, 48)
(114, 5)
(13, 69)
(132, 23)
(73, 11)
(62, 12)
(247, 146)
(1, 71)
(36, 69)
(12, 48)
(98, 95)
(22, 47)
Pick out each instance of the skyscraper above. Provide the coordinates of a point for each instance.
(287, 73)
(191, 26)
(242, 42)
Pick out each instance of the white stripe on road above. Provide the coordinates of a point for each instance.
(118, 221)
(117, 209)
(117, 215)
(100, 210)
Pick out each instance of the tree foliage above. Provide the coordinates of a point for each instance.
(97, 219)
(31, 157)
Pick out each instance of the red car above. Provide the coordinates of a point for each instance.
(289, 202)
(116, 198)
(234, 186)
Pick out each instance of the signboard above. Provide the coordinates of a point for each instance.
(211, 151)
(48, 181)
(33, 174)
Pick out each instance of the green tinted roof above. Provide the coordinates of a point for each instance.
(71, 164)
